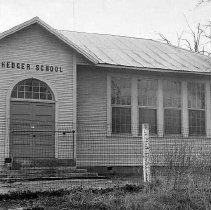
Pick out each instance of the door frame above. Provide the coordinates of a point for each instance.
(8, 99)
(32, 103)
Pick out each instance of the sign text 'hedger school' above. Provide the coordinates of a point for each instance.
(27, 66)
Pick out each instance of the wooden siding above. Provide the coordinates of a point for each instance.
(80, 59)
(96, 148)
(34, 45)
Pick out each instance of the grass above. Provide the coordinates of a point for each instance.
(160, 194)
(185, 185)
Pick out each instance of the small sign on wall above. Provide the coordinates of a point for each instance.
(28, 66)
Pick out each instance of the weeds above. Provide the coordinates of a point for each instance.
(128, 197)
(185, 185)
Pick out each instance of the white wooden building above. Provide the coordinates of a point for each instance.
(105, 87)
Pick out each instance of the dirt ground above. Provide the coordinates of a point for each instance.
(52, 185)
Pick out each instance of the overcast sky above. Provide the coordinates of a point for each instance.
(139, 18)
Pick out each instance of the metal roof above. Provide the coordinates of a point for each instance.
(137, 52)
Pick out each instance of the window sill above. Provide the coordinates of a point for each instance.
(173, 135)
(180, 136)
(129, 135)
(200, 137)
(120, 135)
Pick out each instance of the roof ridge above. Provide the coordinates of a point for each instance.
(104, 34)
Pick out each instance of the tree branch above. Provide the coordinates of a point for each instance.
(164, 39)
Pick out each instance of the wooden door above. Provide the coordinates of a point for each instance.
(32, 126)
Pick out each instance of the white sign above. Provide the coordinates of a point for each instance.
(146, 153)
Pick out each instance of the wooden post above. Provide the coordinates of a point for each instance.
(208, 111)
(160, 111)
(134, 106)
(109, 109)
(185, 123)
(146, 153)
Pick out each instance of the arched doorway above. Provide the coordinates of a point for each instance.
(32, 121)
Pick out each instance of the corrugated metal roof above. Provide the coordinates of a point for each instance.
(137, 52)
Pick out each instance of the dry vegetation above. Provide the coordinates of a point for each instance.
(185, 185)
(158, 195)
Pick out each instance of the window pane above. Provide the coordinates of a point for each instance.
(196, 95)
(121, 91)
(43, 89)
(35, 89)
(28, 94)
(42, 96)
(121, 120)
(28, 88)
(35, 82)
(147, 92)
(20, 94)
(14, 94)
(28, 82)
(171, 94)
(35, 95)
(196, 122)
(20, 88)
(148, 116)
(172, 119)
(49, 96)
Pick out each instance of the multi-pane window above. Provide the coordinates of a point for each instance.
(121, 105)
(147, 103)
(32, 89)
(172, 106)
(147, 106)
(196, 107)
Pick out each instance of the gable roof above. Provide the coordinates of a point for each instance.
(138, 53)
(48, 28)
(126, 52)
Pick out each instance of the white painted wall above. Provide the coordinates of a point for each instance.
(35, 46)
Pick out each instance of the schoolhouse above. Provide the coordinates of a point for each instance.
(103, 87)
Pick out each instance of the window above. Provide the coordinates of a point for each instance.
(121, 105)
(196, 107)
(145, 107)
(172, 106)
(147, 103)
(32, 89)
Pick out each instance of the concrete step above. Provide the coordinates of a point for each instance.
(53, 169)
(40, 170)
(66, 175)
(46, 173)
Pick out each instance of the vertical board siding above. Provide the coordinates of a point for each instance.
(34, 45)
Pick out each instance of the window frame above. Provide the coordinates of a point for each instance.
(120, 105)
(153, 107)
(198, 109)
(173, 108)
(24, 85)
(160, 105)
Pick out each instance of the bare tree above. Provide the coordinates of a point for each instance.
(164, 39)
(179, 38)
(196, 40)
(202, 2)
(194, 43)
